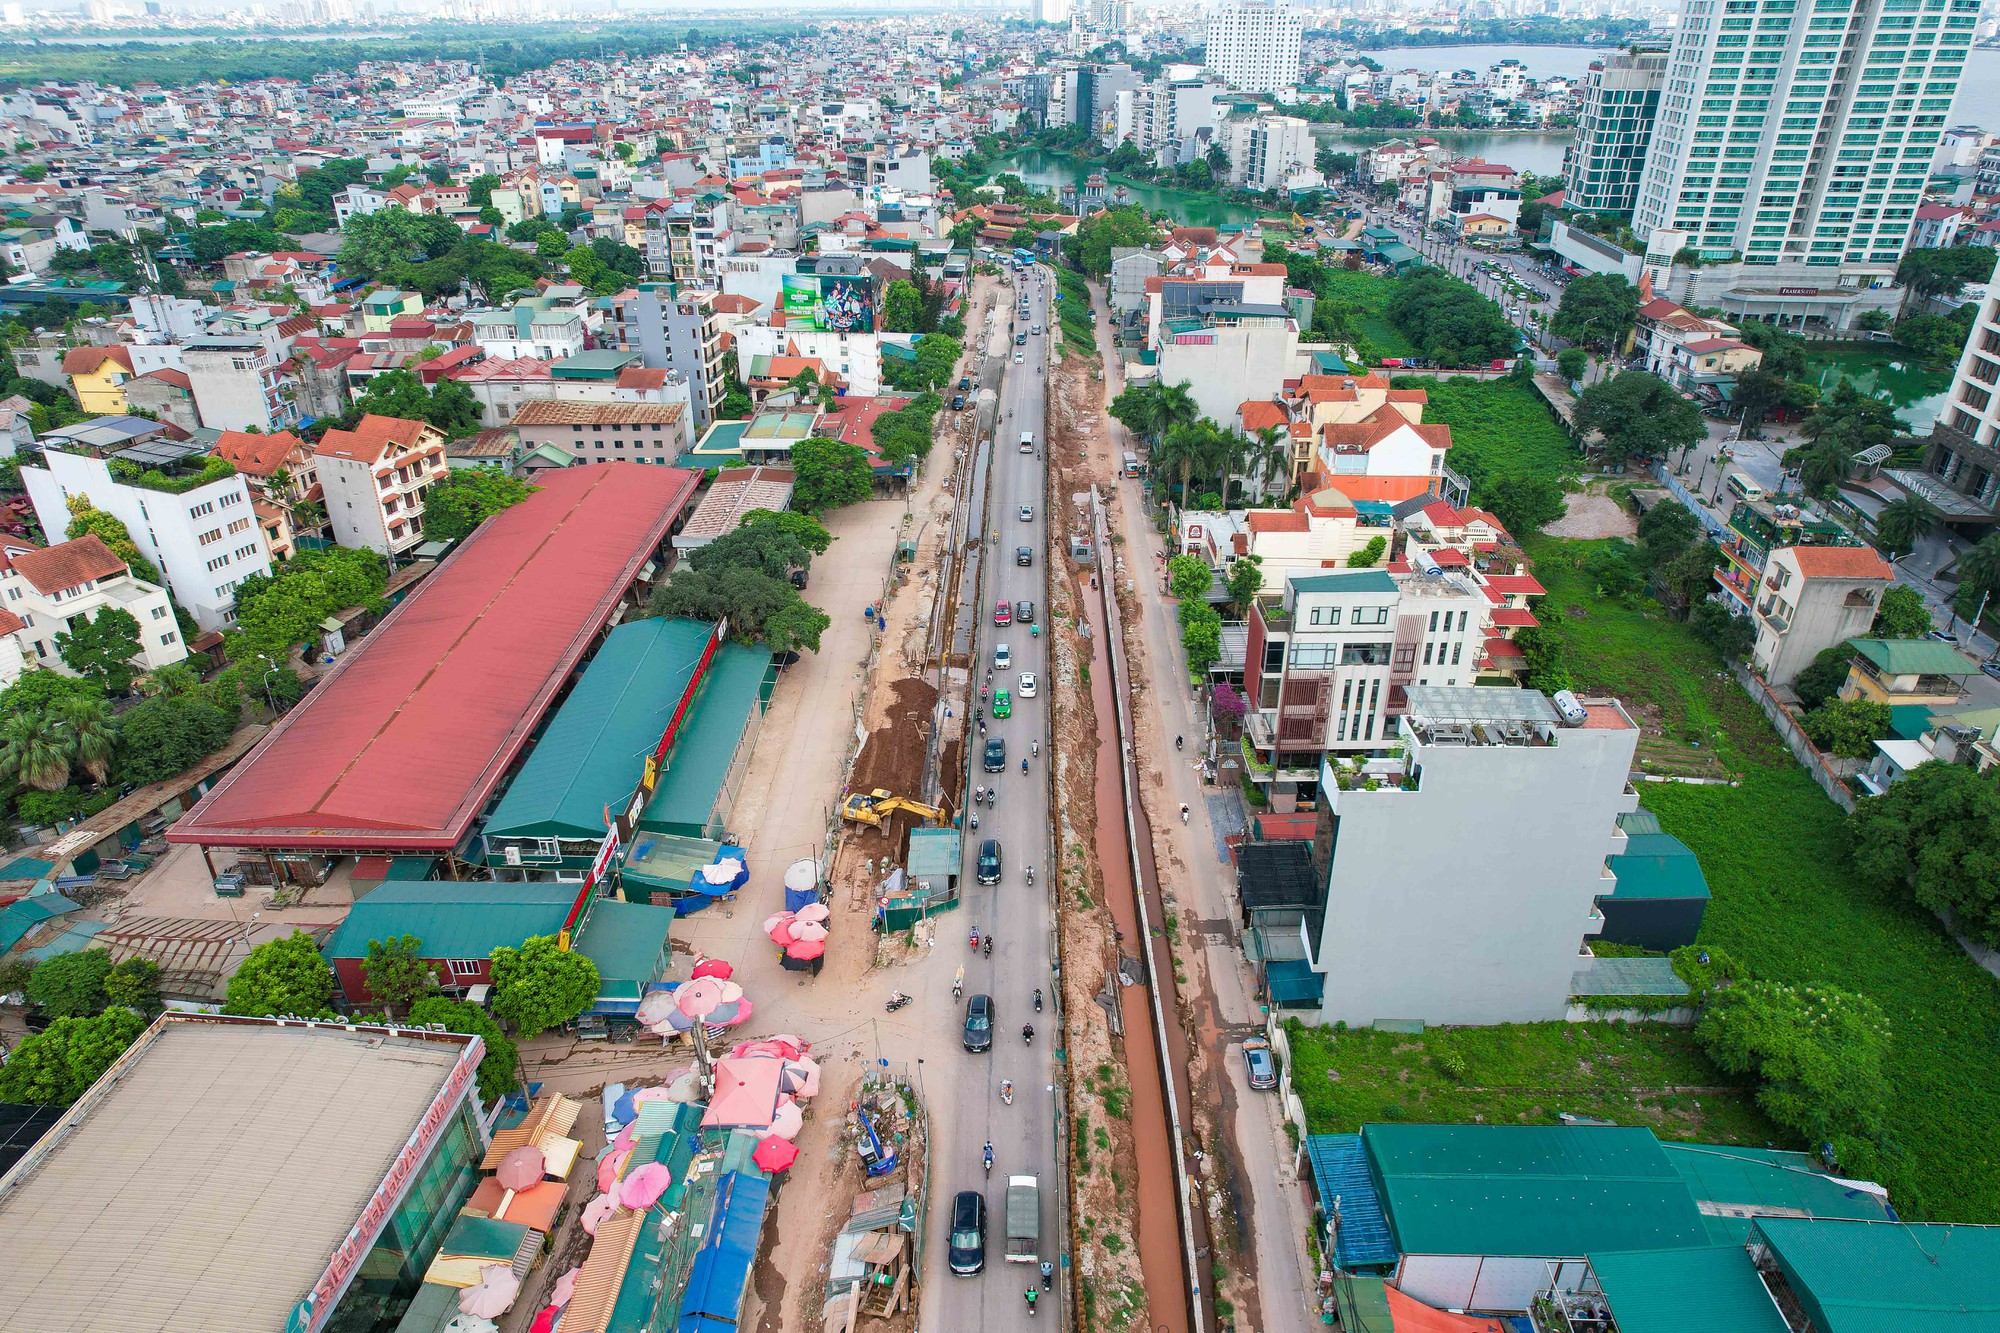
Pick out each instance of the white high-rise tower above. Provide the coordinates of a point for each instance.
(1255, 45)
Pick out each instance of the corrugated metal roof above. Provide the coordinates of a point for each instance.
(595, 749)
(589, 1310)
(1537, 1190)
(692, 779)
(626, 941)
(1709, 1290)
(1914, 657)
(1733, 1185)
(1340, 1173)
(1657, 865)
(403, 742)
(454, 920)
(1888, 1277)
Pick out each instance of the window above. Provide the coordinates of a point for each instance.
(238, 526)
(1371, 615)
(1428, 647)
(466, 967)
(1455, 648)
(159, 613)
(211, 536)
(1325, 615)
(167, 638)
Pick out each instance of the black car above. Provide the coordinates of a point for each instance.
(989, 861)
(1024, 612)
(996, 755)
(978, 1033)
(1024, 555)
(958, 402)
(968, 1233)
(965, 384)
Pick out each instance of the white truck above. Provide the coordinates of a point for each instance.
(1024, 1219)
(1027, 442)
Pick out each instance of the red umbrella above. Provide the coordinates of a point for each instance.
(774, 1154)
(522, 1168)
(805, 949)
(713, 967)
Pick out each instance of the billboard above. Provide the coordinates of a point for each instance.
(830, 304)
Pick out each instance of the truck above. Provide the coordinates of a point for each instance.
(1024, 1219)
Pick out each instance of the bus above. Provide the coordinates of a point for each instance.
(1132, 464)
(1743, 488)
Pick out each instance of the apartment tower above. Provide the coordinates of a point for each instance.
(1255, 45)
(1621, 98)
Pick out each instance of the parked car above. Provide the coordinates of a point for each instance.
(1261, 1065)
(958, 402)
(989, 861)
(978, 1034)
(968, 1233)
(965, 384)
(1991, 666)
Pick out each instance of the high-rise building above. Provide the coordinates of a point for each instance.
(1960, 477)
(1266, 151)
(1621, 97)
(1255, 45)
(1177, 119)
(1796, 136)
(1052, 11)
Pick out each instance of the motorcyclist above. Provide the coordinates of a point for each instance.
(1027, 1033)
(989, 1154)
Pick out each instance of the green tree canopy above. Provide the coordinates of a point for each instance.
(1902, 524)
(1106, 230)
(1666, 530)
(1244, 580)
(1524, 503)
(1817, 1052)
(467, 497)
(1448, 321)
(396, 971)
(1572, 362)
(447, 405)
(392, 238)
(1639, 416)
(829, 474)
(1730, 635)
(134, 983)
(1902, 614)
(1188, 577)
(71, 985)
(1847, 727)
(1822, 680)
(539, 986)
(103, 647)
(1596, 312)
(1944, 272)
(284, 976)
(57, 1066)
(165, 736)
(499, 1066)
(1936, 836)
(902, 308)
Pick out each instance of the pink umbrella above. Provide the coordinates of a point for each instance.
(799, 1045)
(805, 949)
(655, 1006)
(608, 1169)
(545, 1322)
(801, 1077)
(623, 1143)
(788, 1121)
(643, 1188)
(695, 998)
(815, 912)
(564, 1288)
(599, 1208)
(783, 934)
(659, 1094)
(522, 1168)
(809, 930)
(774, 1154)
(740, 1014)
(714, 967)
(784, 1048)
(776, 919)
(493, 1295)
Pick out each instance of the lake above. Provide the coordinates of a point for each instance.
(1918, 393)
(1051, 171)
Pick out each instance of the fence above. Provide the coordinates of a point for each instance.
(1796, 740)
(1714, 526)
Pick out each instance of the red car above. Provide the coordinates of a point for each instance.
(1003, 614)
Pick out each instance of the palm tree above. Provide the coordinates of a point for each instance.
(1175, 452)
(1232, 458)
(1274, 460)
(1978, 572)
(1170, 405)
(1902, 524)
(170, 681)
(1825, 463)
(31, 754)
(85, 731)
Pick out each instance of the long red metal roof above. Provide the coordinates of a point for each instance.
(402, 744)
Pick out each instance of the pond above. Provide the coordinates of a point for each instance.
(1051, 171)
(1917, 392)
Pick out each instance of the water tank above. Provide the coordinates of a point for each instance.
(1571, 708)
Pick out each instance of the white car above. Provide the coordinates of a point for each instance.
(1017, 358)
(1027, 684)
(1002, 658)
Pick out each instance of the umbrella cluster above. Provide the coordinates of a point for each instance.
(709, 998)
(801, 934)
(760, 1085)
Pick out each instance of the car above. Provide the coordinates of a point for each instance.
(1017, 358)
(1027, 684)
(1024, 555)
(978, 1035)
(1027, 513)
(1003, 704)
(965, 384)
(1991, 666)
(1259, 1063)
(1003, 614)
(1024, 611)
(958, 402)
(968, 1233)
(1943, 636)
(1020, 340)
(996, 756)
(1036, 330)
(989, 861)
(1002, 657)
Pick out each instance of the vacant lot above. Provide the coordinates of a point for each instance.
(1499, 428)
(1370, 293)
(1786, 902)
(1523, 1074)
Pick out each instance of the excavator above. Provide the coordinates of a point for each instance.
(872, 808)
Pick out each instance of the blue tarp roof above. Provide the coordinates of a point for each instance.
(722, 1264)
(1340, 1171)
(1292, 980)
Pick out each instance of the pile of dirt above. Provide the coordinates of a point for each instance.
(893, 758)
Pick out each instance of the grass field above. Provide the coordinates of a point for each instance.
(1369, 292)
(1523, 1074)
(1073, 315)
(1499, 428)
(1786, 901)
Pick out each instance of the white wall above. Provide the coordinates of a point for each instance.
(1231, 367)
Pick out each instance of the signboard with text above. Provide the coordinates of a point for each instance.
(829, 304)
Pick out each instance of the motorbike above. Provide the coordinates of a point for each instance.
(1038, 999)
(1031, 877)
(1024, 768)
(897, 1000)
(1028, 1034)
(1035, 748)
(1007, 1091)
(989, 1159)
(975, 821)
(1032, 1294)
(987, 948)
(975, 937)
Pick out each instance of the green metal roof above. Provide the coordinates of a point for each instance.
(594, 751)
(22, 918)
(628, 942)
(1657, 865)
(600, 364)
(724, 439)
(935, 853)
(1362, 580)
(1729, 1182)
(453, 919)
(1889, 1277)
(1913, 657)
(1908, 722)
(691, 782)
(1710, 1290)
(1635, 822)
(1532, 1190)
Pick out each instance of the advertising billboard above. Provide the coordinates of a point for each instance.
(829, 304)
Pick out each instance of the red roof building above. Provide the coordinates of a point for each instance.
(410, 734)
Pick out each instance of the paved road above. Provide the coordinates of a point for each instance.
(1021, 917)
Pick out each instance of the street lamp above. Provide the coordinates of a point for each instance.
(273, 668)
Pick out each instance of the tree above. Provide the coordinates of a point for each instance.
(1572, 362)
(1151, 410)
(1935, 836)
(447, 405)
(169, 735)
(1902, 524)
(1638, 416)
(1666, 530)
(552, 243)
(283, 977)
(1107, 230)
(1689, 575)
(1544, 655)
(1978, 573)
(1822, 680)
(86, 732)
(275, 614)
(30, 753)
(795, 625)
(479, 190)
(1188, 577)
(1858, 421)
(499, 1066)
(71, 985)
(829, 474)
(1201, 636)
(1825, 463)
(1943, 272)
(102, 648)
(1729, 635)
(57, 1066)
(1597, 311)
(1847, 727)
(396, 971)
(806, 531)
(538, 986)
(1902, 614)
(1524, 504)
(902, 308)
(1759, 393)
(1448, 321)
(391, 238)
(1244, 581)
(467, 497)
(134, 983)
(1369, 555)
(1817, 1052)
(1614, 568)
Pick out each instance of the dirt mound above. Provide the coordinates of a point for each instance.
(893, 758)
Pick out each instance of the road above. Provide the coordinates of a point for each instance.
(1022, 918)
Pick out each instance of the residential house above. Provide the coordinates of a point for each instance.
(282, 471)
(378, 310)
(1813, 598)
(17, 426)
(1758, 527)
(97, 377)
(239, 383)
(167, 393)
(374, 478)
(49, 591)
(543, 327)
(1694, 353)
(597, 432)
(680, 329)
(1907, 671)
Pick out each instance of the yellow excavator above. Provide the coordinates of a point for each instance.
(873, 807)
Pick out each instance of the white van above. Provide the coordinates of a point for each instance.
(1027, 442)
(1743, 488)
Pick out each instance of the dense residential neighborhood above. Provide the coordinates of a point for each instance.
(600, 611)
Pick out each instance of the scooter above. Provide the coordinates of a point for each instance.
(1024, 768)
(1028, 1034)
(897, 1000)
(1038, 999)
(975, 939)
(1031, 877)
(989, 1159)
(1007, 1091)
(987, 948)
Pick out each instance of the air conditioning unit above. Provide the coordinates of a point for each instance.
(512, 855)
